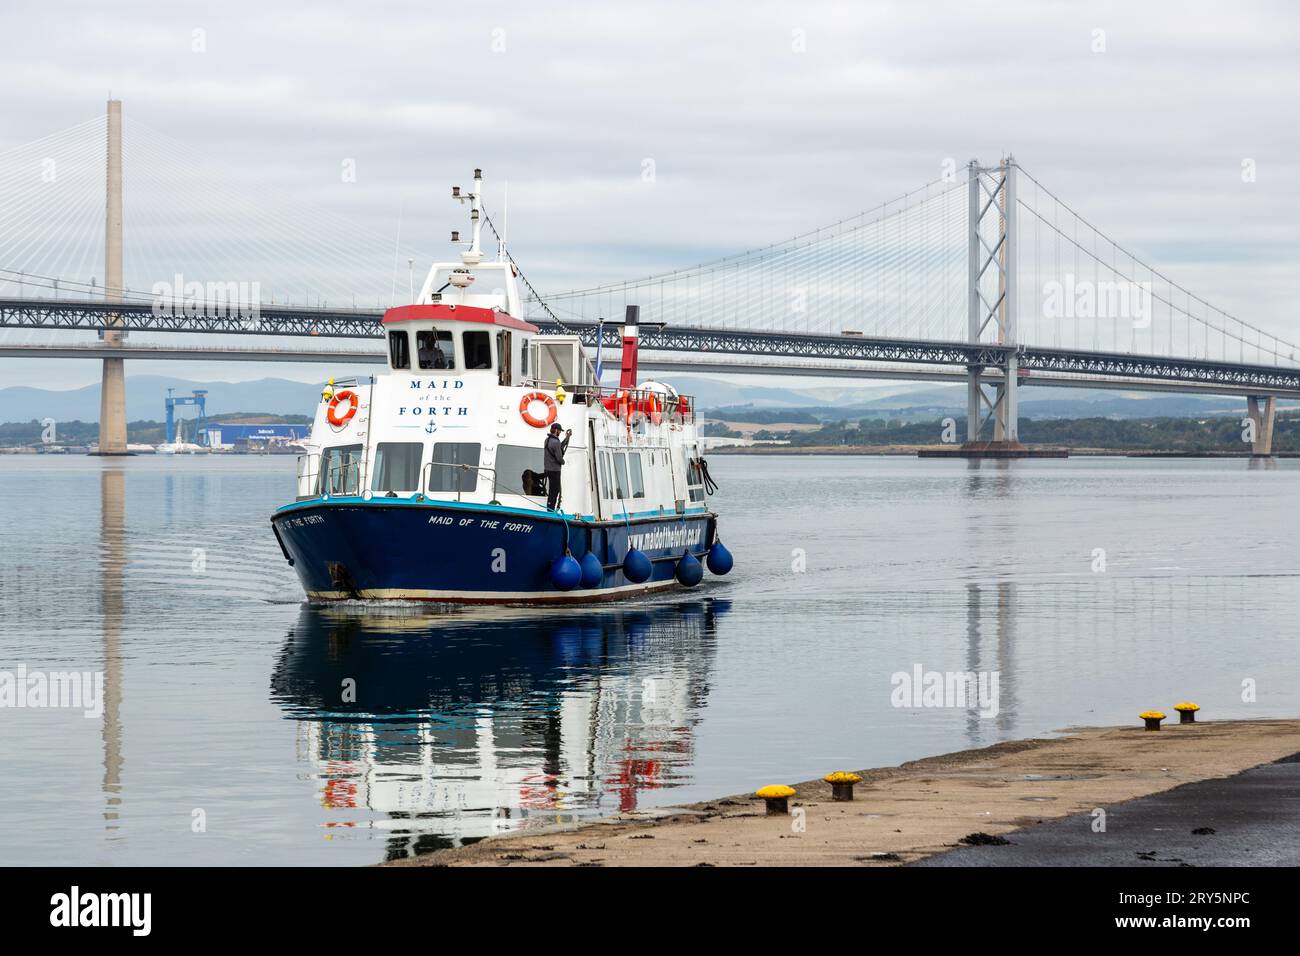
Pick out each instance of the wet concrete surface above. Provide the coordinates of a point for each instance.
(1250, 819)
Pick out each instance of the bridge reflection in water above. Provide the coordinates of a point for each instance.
(446, 729)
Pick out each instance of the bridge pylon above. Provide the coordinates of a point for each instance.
(991, 252)
(112, 387)
(1261, 419)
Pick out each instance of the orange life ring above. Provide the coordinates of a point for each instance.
(331, 413)
(656, 408)
(526, 412)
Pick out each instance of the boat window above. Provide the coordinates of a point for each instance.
(446, 472)
(397, 466)
(606, 482)
(638, 479)
(523, 359)
(620, 476)
(478, 350)
(503, 357)
(437, 349)
(340, 470)
(520, 470)
(694, 480)
(554, 360)
(399, 350)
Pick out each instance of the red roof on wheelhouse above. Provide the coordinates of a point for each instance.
(456, 313)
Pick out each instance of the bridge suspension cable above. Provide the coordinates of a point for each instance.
(899, 270)
(186, 217)
(1101, 296)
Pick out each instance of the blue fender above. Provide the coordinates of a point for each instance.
(592, 571)
(719, 559)
(566, 573)
(637, 567)
(689, 570)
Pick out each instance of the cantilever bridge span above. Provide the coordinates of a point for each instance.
(782, 352)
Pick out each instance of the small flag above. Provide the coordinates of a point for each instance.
(600, 341)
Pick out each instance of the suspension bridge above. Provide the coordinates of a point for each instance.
(983, 276)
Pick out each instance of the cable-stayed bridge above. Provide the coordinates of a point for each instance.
(984, 276)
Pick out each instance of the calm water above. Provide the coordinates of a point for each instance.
(224, 711)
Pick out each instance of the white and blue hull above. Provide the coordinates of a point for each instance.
(348, 548)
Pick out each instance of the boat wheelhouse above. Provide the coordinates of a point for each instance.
(428, 481)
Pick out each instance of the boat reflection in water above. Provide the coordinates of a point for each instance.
(444, 729)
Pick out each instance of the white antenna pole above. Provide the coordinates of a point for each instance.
(505, 222)
(475, 253)
(410, 268)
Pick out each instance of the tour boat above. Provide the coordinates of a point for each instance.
(426, 482)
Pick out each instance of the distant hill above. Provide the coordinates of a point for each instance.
(145, 394)
(908, 401)
(923, 402)
(713, 392)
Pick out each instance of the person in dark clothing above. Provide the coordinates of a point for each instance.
(552, 461)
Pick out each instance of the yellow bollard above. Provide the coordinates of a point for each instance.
(842, 784)
(1152, 718)
(777, 797)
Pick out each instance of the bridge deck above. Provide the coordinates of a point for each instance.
(793, 353)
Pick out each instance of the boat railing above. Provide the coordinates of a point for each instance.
(308, 474)
(497, 488)
(462, 468)
(632, 403)
(344, 478)
(340, 478)
(356, 381)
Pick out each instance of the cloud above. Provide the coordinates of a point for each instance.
(763, 119)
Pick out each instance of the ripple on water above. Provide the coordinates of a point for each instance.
(350, 734)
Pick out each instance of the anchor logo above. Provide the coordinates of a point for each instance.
(430, 428)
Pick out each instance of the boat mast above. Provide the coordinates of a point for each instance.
(505, 223)
(474, 254)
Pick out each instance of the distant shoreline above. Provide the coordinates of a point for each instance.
(859, 451)
(911, 450)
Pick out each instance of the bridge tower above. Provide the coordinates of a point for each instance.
(1261, 410)
(992, 252)
(112, 391)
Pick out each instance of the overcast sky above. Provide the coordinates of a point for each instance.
(761, 119)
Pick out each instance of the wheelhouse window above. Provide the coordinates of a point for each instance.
(399, 350)
(503, 357)
(454, 467)
(437, 349)
(620, 476)
(340, 470)
(478, 350)
(635, 473)
(397, 467)
(520, 470)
